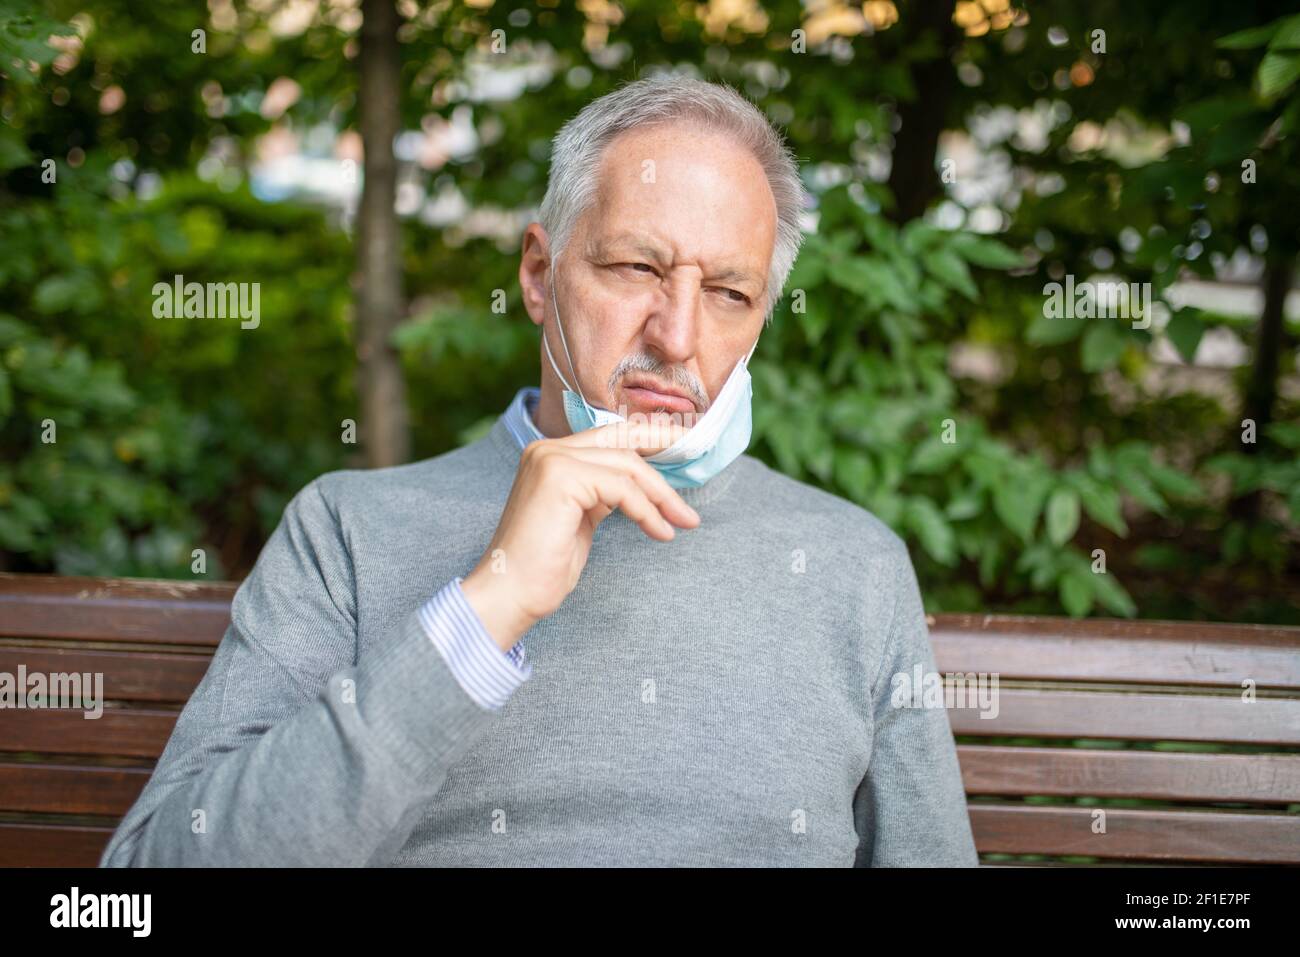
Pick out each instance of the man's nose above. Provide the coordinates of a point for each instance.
(672, 329)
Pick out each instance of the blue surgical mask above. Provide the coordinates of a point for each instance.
(717, 438)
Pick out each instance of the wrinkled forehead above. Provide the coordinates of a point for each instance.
(682, 195)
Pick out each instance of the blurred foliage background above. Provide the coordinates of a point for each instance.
(962, 156)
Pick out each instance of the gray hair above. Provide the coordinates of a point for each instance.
(579, 146)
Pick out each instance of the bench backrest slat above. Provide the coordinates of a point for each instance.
(120, 732)
(128, 675)
(52, 845)
(114, 609)
(1025, 712)
(69, 789)
(1151, 653)
(1152, 775)
(1136, 834)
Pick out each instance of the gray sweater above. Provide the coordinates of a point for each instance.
(721, 699)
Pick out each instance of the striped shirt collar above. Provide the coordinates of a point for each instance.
(518, 417)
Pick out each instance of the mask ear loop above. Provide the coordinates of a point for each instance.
(567, 355)
(546, 344)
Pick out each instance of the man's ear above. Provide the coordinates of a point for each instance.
(535, 272)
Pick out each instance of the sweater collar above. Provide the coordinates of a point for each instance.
(514, 429)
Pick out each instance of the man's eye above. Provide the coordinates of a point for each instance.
(735, 295)
(641, 267)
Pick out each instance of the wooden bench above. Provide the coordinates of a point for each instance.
(1144, 721)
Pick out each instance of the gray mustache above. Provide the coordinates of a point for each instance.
(680, 377)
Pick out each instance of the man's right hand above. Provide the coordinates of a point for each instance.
(564, 488)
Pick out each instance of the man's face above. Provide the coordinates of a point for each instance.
(662, 287)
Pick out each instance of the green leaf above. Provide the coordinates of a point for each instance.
(1043, 563)
(1205, 115)
(933, 456)
(854, 473)
(1102, 503)
(1246, 471)
(1277, 71)
(1076, 590)
(965, 505)
(1141, 489)
(932, 529)
(918, 235)
(1287, 36)
(815, 449)
(1018, 500)
(1100, 462)
(1062, 515)
(1133, 462)
(880, 233)
(988, 253)
(1249, 39)
(1174, 483)
(886, 506)
(30, 510)
(11, 330)
(813, 320)
(1102, 346)
(990, 557)
(1229, 136)
(1052, 331)
(13, 151)
(1112, 595)
(1185, 330)
(781, 437)
(57, 293)
(872, 277)
(950, 269)
(1286, 434)
(987, 464)
(15, 535)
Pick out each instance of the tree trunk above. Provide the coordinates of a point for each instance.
(383, 429)
(1261, 391)
(912, 178)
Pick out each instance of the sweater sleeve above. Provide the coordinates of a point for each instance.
(296, 750)
(910, 808)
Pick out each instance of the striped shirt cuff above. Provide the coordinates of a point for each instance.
(487, 674)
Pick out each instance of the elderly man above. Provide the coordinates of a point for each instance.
(600, 635)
